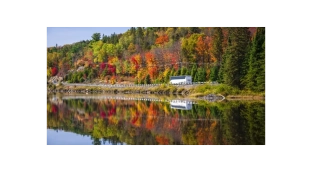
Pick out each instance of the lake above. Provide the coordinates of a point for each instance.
(106, 119)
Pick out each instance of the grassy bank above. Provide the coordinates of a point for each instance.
(167, 89)
(192, 91)
(225, 90)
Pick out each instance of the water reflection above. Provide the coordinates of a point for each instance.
(126, 121)
(60, 137)
(181, 104)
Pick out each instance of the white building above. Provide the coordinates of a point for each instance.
(181, 104)
(183, 79)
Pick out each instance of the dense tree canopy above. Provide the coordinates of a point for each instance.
(234, 56)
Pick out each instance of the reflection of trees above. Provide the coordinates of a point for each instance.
(256, 120)
(96, 141)
(233, 124)
(143, 122)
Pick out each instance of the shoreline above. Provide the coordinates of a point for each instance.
(160, 89)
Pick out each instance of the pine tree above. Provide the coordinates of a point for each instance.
(194, 70)
(172, 72)
(214, 73)
(139, 36)
(216, 49)
(256, 71)
(201, 75)
(183, 71)
(147, 79)
(223, 59)
(261, 72)
(235, 56)
(188, 71)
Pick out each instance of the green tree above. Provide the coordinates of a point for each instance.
(216, 49)
(189, 48)
(178, 72)
(96, 37)
(214, 73)
(172, 72)
(256, 71)
(194, 70)
(194, 30)
(200, 75)
(147, 79)
(139, 36)
(223, 59)
(235, 56)
(183, 71)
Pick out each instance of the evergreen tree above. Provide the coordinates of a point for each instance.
(188, 71)
(194, 70)
(194, 30)
(147, 79)
(139, 36)
(223, 59)
(183, 71)
(172, 72)
(167, 77)
(256, 71)
(216, 49)
(235, 56)
(200, 75)
(214, 73)
(195, 78)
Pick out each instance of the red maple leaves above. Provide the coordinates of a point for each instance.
(110, 69)
(134, 62)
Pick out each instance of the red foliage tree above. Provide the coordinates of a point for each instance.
(110, 69)
(151, 64)
(54, 71)
(134, 62)
(173, 59)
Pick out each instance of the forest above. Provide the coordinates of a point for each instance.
(234, 56)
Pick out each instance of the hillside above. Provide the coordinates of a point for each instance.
(233, 56)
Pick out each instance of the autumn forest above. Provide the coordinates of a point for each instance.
(234, 56)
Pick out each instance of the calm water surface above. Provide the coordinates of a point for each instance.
(109, 120)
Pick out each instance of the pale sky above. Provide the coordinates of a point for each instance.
(69, 35)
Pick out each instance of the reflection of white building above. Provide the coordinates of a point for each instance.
(181, 104)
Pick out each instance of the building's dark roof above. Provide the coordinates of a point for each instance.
(179, 77)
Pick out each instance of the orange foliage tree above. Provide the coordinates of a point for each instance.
(161, 40)
(151, 65)
(203, 49)
(172, 59)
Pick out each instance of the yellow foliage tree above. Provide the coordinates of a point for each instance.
(138, 58)
(141, 74)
